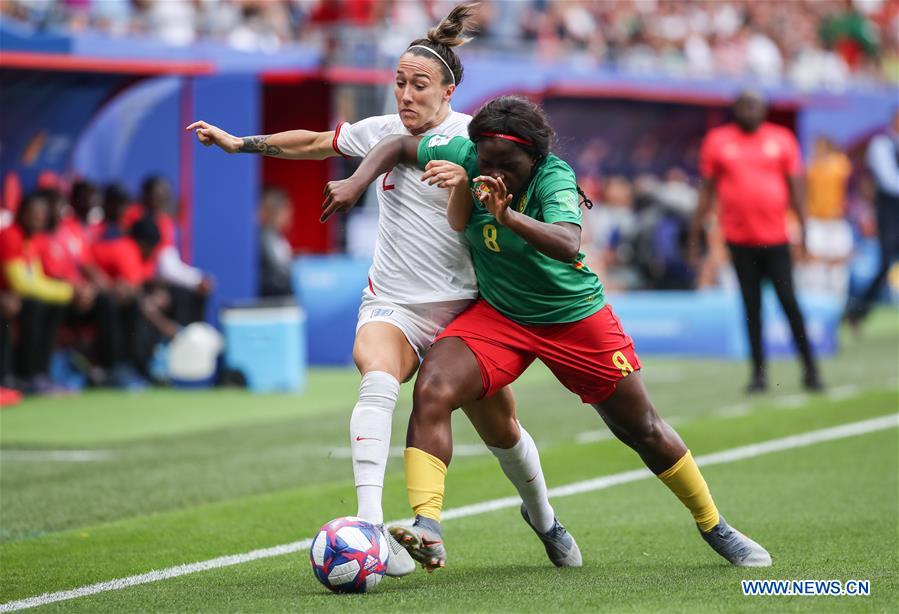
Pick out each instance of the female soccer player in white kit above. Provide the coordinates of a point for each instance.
(420, 279)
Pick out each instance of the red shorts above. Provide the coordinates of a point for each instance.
(589, 357)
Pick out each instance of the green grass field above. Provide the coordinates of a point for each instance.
(106, 485)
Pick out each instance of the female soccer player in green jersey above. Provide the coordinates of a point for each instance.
(518, 206)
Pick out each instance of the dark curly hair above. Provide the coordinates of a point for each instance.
(441, 39)
(522, 119)
(514, 116)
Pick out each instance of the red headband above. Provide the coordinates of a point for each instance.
(508, 137)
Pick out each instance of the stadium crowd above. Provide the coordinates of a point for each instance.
(812, 43)
(94, 271)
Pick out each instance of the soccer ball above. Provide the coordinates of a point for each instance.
(349, 555)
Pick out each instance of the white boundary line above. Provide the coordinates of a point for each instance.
(63, 456)
(727, 456)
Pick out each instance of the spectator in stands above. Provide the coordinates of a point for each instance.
(883, 163)
(813, 42)
(275, 253)
(754, 169)
(43, 299)
(115, 202)
(67, 254)
(615, 232)
(87, 209)
(829, 238)
(188, 286)
(65, 248)
(139, 318)
(155, 204)
(663, 211)
(676, 193)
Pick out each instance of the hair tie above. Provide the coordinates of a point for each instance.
(439, 57)
(508, 137)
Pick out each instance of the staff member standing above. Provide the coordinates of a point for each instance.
(883, 163)
(754, 168)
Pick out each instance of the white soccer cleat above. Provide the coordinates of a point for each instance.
(738, 549)
(399, 563)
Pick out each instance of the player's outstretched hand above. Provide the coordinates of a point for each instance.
(492, 192)
(208, 135)
(445, 174)
(340, 196)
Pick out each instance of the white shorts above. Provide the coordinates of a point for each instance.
(420, 323)
(829, 239)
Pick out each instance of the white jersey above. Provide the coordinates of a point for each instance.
(418, 257)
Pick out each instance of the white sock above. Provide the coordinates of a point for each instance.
(370, 440)
(521, 464)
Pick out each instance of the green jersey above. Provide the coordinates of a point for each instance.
(516, 279)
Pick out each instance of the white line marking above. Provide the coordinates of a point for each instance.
(733, 411)
(605, 434)
(727, 456)
(791, 401)
(843, 392)
(593, 436)
(64, 456)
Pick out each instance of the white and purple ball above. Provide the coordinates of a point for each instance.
(349, 555)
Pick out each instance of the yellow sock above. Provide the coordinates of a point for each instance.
(687, 483)
(425, 477)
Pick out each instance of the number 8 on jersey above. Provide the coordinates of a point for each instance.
(490, 238)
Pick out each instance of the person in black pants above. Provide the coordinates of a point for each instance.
(43, 300)
(754, 168)
(753, 265)
(10, 306)
(883, 162)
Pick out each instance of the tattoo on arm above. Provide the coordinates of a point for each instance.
(259, 144)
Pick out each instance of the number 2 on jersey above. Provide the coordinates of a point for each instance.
(387, 186)
(490, 237)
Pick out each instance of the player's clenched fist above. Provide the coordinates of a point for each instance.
(340, 196)
(208, 135)
(445, 174)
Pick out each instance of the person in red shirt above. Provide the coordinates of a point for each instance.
(155, 203)
(115, 202)
(87, 210)
(188, 286)
(64, 247)
(140, 322)
(43, 299)
(121, 258)
(67, 254)
(754, 170)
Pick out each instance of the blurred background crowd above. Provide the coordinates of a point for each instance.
(810, 43)
(92, 268)
(95, 271)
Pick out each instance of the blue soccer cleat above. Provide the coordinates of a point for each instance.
(560, 546)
